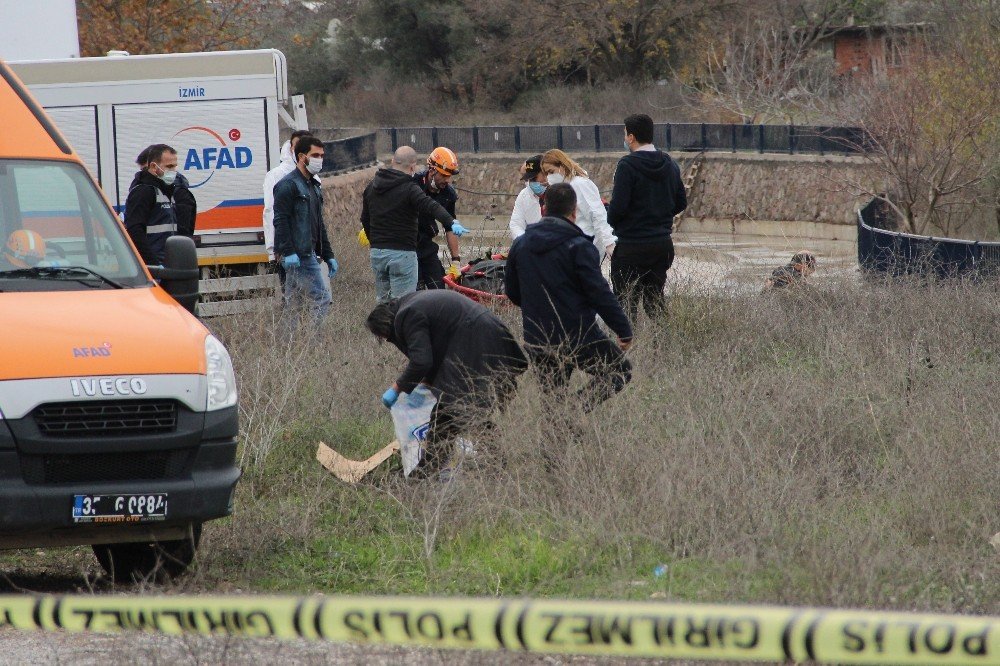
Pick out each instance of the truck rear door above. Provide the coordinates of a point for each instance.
(222, 149)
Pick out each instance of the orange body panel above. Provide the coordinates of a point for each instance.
(143, 330)
(230, 217)
(22, 135)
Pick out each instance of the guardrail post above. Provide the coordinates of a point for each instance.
(434, 137)
(475, 139)
(760, 138)
(670, 138)
(517, 138)
(704, 137)
(559, 137)
(733, 131)
(597, 138)
(394, 138)
(791, 139)
(822, 140)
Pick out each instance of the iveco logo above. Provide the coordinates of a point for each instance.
(107, 386)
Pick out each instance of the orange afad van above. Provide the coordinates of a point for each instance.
(118, 408)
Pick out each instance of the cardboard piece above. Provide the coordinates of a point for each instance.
(349, 470)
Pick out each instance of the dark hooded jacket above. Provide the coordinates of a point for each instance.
(389, 209)
(185, 206)
(457, 346)
(427, 228)
(648, 193)
(554, 275)
(150, 218)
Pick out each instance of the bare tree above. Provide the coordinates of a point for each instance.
(931, 131)
(766, 62)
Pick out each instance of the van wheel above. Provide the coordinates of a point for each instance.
(158, 561)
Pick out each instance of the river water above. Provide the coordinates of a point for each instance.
(737, 263)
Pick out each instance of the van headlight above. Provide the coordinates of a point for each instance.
(221, 377)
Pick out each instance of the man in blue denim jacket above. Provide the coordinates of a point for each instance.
(300, 239)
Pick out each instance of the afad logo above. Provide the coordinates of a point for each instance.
(92, 352)
(212, 158)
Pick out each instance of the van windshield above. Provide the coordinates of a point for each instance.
(57, 233)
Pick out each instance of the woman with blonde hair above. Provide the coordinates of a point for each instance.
(591, 215)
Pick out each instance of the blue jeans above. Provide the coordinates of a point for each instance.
(395, 273)
(308, 287)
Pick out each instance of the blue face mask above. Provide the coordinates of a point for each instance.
(628, 148)
(537, 188)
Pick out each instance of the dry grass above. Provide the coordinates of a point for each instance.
(834, 446)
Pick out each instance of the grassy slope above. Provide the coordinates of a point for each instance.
(836, 446)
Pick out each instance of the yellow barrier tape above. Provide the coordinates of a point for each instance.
(639, 629)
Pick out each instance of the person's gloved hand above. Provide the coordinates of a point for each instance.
(453, 269)
(458, 229)
(390, 397)
(291, 261)
(363, 239)
(333, 266)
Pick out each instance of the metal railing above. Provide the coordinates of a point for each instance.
(896, 253)
(788, 139)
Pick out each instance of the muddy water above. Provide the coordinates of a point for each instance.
(720, 263)
(737, 263)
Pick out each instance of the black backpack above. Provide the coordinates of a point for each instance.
(485, 275)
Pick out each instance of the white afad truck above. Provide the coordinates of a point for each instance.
(221, 111)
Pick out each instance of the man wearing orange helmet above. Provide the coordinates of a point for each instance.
(435, 181)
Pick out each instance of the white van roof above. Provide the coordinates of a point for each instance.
(180, 68)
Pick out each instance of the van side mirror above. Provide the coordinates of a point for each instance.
(179, 274)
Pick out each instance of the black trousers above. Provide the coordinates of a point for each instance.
(430, 272)
(600, 358)
(639, 273)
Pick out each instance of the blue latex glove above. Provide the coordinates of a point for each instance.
(333, 266)
(458, 229)
(291, 261)
(390, 397)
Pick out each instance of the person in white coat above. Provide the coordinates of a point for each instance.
(591, 216)
(528, 205)
(285, 167)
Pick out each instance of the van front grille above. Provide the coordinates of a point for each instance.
(105, 467)
(107, 418)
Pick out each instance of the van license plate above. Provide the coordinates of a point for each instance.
(119, 508)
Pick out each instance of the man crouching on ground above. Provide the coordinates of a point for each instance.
(461, 351)
(554, 274)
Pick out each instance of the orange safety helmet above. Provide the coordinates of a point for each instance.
(24, 248)
(444, 161)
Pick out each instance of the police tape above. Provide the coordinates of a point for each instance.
(639, 629)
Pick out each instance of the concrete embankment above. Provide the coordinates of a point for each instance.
(798, 196)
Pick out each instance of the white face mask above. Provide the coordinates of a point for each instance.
(168, 177)
(628, 148)
(555, 178)
(314, 165)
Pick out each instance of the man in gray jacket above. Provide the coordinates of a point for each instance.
(299, 233)
(389, 210)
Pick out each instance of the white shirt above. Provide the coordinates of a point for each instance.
(526, 211)
(285, 167)
(591, 216)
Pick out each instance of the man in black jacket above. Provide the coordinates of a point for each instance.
(648, 193)
(150, 215)
(185, 205)
(390, 205)
(462, 351)
(435, 181)
(554, 275)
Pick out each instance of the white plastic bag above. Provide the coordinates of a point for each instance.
(411, 425)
